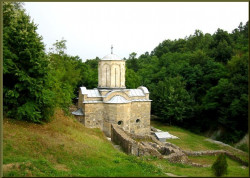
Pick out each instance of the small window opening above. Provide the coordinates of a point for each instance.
(119, 123)
(137, 120)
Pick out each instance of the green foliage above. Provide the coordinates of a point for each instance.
(199, 82)
(89, 73)
(221, 47)
(219, 167)
(132, 79)
(60, 47)
(132, 62)
(25, 68)
(35, 83)
(64, 75)
(173, 102)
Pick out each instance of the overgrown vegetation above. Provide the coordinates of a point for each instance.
(199, 82)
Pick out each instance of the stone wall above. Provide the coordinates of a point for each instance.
(129, 145)
(121, 138)
(118, 114)
(80, 99)
(111, 74)
(131, 117)
(161, 150)
(94, 113)
(140, 118)
(81, 119)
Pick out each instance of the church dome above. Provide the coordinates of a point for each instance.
(111, 57)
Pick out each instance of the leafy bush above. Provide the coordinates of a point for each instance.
(220, 165)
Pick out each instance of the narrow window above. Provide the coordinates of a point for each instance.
(120, 76)
(115, 77)
(106, 76)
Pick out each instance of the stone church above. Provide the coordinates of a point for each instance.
(112, 103)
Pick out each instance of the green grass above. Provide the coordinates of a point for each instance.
(187, 140)
(244, 147)
(234, 169)
(64, 147)
(193, 142)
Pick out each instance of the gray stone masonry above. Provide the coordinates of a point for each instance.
(166, 150)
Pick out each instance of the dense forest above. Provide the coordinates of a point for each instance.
(199, 82)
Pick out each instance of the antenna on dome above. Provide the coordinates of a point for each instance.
(111, 49)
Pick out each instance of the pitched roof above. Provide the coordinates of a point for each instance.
(90, 93)
(78, 112)
(136, 92)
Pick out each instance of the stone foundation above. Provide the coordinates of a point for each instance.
(129, 145)
(152, 146)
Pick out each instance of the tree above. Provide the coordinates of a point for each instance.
(132, 79)
(227, 107)
(132, 62)
(221, 47)
(25, 68)
(64, 75)
(219, 167)
(172, 102)
(59, 47)
(211, 71)
(90, 73)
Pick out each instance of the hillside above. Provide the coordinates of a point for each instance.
(65, 147)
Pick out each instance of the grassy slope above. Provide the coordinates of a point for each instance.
(65, 147)
(192, 142)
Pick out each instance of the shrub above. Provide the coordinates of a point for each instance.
(219, 167)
